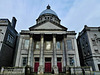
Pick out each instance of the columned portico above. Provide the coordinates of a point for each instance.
(55, 68)
(41, 62)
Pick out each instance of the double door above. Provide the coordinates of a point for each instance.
(59, 64)
(36, 64)
(47, 64)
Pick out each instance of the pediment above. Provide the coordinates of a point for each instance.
(48, 26)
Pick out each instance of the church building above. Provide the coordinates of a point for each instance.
(47, 46)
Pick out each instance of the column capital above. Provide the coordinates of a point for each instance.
(65, 36)
(31, 35)
(42, 33)
(54, 35)
(42, 36)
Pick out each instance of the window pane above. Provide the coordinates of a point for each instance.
(48, 45)
(58, 45)
(37, 45)
(48, 59)
(69, 44)
(24, 61)
(71, 61)
(26, 44)
(10, 39)
(59, 59)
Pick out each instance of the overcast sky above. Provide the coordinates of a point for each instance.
(74, 14)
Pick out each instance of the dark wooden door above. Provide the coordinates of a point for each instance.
(59, 66)
(48, 67)
(36, 65)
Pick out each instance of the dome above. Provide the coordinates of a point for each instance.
(48, 11)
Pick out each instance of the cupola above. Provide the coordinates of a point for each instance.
(48, 15)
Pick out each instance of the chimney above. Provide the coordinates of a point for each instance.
(13, 24)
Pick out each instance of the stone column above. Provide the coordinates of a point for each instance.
(18, 54)
(32, 52)
(55, 68)
(76, 60)
(41, 62)
(64, 52)
(29, 52)
(65, 49)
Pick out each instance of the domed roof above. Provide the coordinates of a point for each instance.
(48, 11)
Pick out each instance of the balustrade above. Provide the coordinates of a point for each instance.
(12, 71)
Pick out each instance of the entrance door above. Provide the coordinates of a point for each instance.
(47, 64)
(59, 66)
(47, 67)
(36, 66)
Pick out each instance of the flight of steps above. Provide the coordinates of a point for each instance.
(49, 74)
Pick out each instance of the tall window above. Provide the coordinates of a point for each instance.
(26, 45)
(10, 39)
(24, 61)
(37, 45)
(58, 45)
(48, 45)
(69, 44)
(71, 61)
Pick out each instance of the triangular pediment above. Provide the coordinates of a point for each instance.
(48, 26)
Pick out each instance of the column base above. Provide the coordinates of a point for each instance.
(40, 70)
(67, 69)
(55, 69)
(64, 69)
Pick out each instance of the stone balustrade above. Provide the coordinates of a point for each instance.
(81, 70)
(12, 71)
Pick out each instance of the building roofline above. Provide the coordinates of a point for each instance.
(86, 28)
(32, 27)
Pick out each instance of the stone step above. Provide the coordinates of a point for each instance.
(49, 74)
